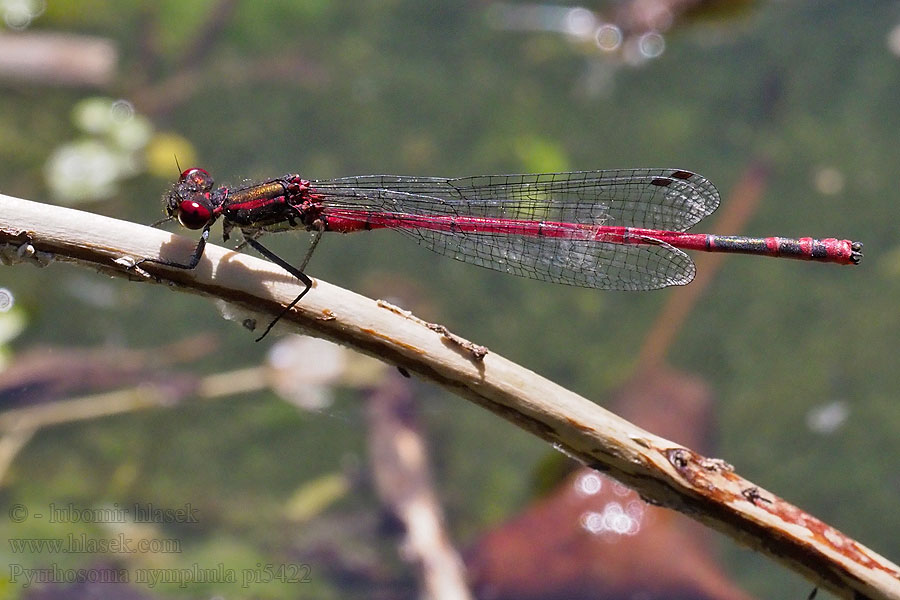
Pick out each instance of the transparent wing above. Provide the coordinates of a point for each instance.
(647, 198)
(573, 262)
(669, 199)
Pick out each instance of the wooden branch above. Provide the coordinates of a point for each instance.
(57, 59)
(661, 471)
(399, 462)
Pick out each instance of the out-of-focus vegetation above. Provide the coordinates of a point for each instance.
(436, 88)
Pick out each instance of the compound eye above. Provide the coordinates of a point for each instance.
(193, 215)
(198, 178)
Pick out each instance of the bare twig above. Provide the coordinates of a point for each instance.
(57, 59)
(399, 460)
(661, 471)
(18, 425)
(131, 399)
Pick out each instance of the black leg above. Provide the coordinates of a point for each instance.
(320, 228)
(299, 274)
(240, 246)
(195, 257)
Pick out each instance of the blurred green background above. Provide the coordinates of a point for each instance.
(251, 90)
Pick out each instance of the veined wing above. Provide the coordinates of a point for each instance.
(430, 210)
(668, 199)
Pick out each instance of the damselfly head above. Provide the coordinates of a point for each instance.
(193, 214)
(199, 179)
(190, 199)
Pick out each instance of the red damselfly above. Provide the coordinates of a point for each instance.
(615, 229)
